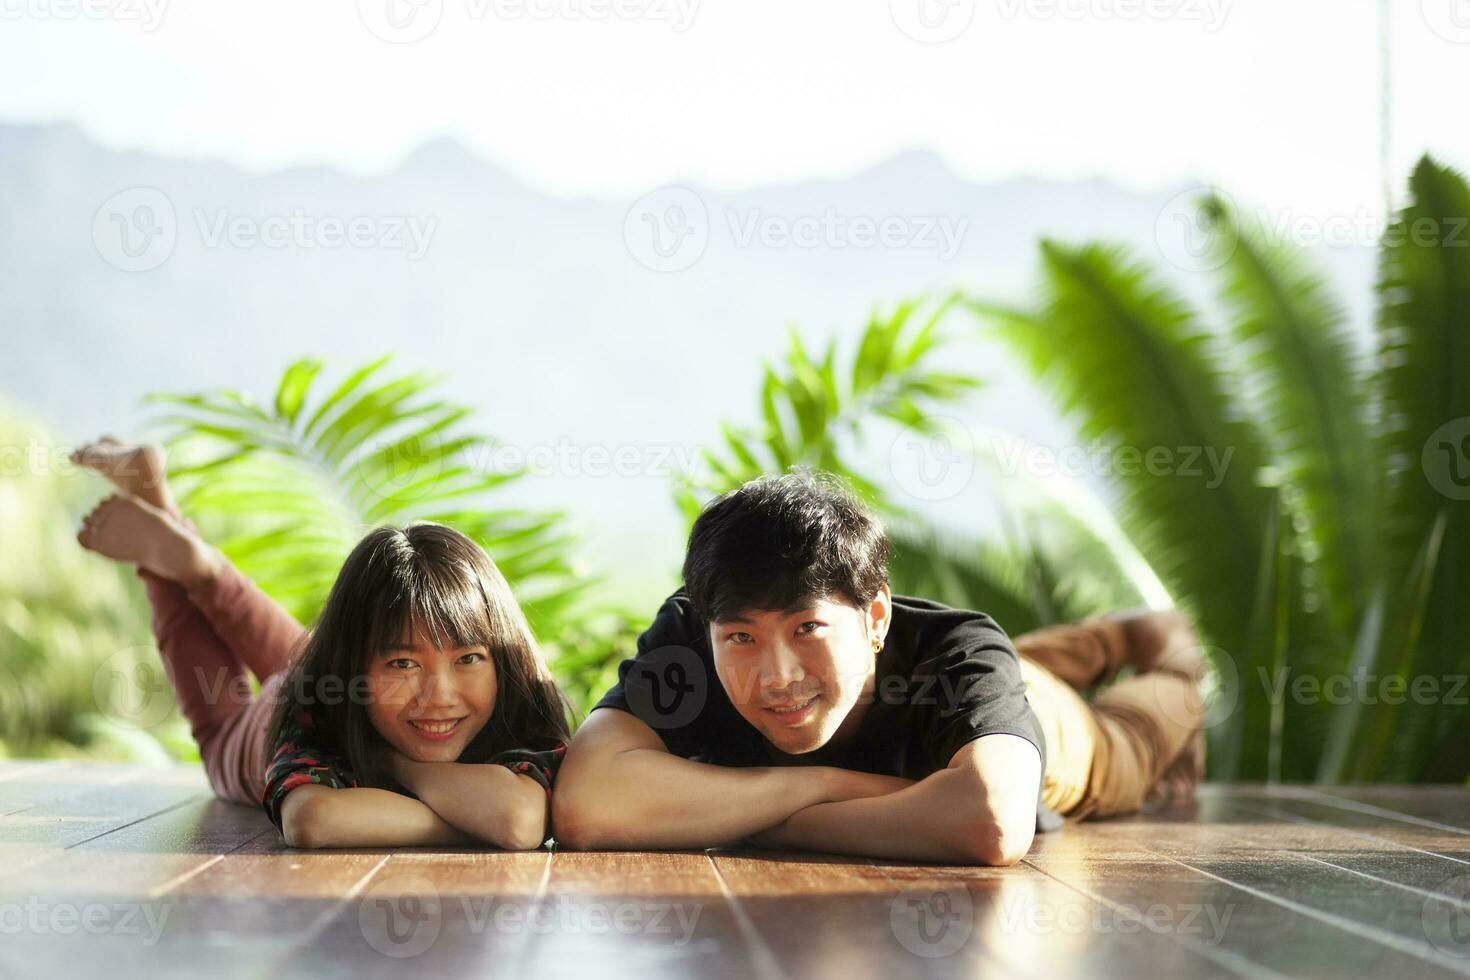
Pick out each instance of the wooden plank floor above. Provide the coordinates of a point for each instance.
(137, 872)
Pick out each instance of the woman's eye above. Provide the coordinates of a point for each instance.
(810, 627)
(472, 658)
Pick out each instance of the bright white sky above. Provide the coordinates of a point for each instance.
(1277, 99)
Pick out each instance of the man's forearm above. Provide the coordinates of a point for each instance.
(937, 819)
(646, 798)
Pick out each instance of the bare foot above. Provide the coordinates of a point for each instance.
(140, 471)
(1183, 776)
(126, 528)
(1162, 639)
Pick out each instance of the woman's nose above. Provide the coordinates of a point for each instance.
(439, 688)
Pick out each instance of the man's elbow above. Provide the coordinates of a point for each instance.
(586, 826)
(573, 823)
(990, 842)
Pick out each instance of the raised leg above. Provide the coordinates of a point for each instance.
(213, 693)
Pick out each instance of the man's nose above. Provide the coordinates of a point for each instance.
(780, 668)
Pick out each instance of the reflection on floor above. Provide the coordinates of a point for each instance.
(127, 872)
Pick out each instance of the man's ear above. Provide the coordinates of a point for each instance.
(880, 612)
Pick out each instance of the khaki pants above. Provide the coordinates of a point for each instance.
(1103, 756)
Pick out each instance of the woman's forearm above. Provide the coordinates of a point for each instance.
(488, 802)
(320, 816)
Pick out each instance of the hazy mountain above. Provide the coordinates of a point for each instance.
(540, 310)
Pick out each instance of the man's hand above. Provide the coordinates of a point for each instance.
(620, 788)
(979, 810)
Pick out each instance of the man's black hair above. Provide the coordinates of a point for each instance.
(781, 543)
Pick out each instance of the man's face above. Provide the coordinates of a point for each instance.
(796, 675)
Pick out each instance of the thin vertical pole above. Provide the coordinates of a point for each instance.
(1385, 92)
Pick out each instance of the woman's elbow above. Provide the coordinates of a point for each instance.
(524, 829)
(304, 825)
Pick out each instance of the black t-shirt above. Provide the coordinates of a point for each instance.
(944, 678)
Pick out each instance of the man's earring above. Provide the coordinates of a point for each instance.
(877, 644)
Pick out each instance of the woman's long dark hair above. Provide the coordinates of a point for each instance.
(435, 578)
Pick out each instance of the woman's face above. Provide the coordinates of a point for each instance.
(427, 702)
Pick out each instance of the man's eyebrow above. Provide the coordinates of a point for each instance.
(742, 619)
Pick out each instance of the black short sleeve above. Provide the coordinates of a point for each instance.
(670, 683)
(978, 690)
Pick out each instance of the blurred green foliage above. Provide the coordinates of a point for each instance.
(81, 676)
(1327, 547)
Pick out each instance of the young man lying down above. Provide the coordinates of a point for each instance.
(785, 697)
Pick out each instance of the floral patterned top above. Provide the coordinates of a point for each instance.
(296, 763)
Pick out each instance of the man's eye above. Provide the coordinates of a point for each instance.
(811, 627)
(400, 663)
(739, 638)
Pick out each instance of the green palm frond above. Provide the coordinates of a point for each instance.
(814, 410)
(1050, 567)
(964, 571)
(1424, 357)
(1132, 364)
(294, 484)
(1308, 382)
